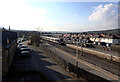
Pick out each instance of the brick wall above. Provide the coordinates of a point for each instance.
(8, 49)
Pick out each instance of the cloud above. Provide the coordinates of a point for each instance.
(105, 16)
(103, 13)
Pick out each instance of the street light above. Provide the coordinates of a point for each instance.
(76, 53)
(81, 42)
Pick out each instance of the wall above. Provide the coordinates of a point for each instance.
(8, 49)
(0, 55)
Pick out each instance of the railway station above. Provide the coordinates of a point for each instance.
(59, 41)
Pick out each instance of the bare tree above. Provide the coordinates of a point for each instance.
(38, 29)
(36, 38)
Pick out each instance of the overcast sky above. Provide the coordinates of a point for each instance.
(58, 16)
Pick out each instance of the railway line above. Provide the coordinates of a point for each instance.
(105, 64)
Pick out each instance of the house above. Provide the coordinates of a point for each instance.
(95, 37)
(113, 39)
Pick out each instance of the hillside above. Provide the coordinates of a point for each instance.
(112, 31)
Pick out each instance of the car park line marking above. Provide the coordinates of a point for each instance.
(114, 77)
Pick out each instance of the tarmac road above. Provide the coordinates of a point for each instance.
(25, 69)
(48, 67)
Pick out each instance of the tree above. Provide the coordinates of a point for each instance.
(39, 30)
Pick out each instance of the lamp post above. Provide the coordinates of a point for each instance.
(81, 42)
(76, 53)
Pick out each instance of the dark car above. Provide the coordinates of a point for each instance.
(108, 44)
(103, 43)
(25, 54)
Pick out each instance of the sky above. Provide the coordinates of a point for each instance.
(58, 16)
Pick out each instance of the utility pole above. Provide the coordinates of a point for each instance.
(82, 48)
(76, 53)
(81, 42)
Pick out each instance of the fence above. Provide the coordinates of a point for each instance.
(70, 67)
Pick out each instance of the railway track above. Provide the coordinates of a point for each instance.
(108, 65)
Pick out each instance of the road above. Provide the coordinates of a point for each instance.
(27, 69)
(48, 67)
(69, 55)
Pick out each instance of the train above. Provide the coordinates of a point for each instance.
(59, 41)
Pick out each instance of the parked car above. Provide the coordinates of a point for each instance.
(25, 49)
(96, 43)
(20, 44)
(103, 43)
(108, 44)
(25, 53)
(89, 41)
(23, 46)
(69, 41)
(84, 41)
(18, 41)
